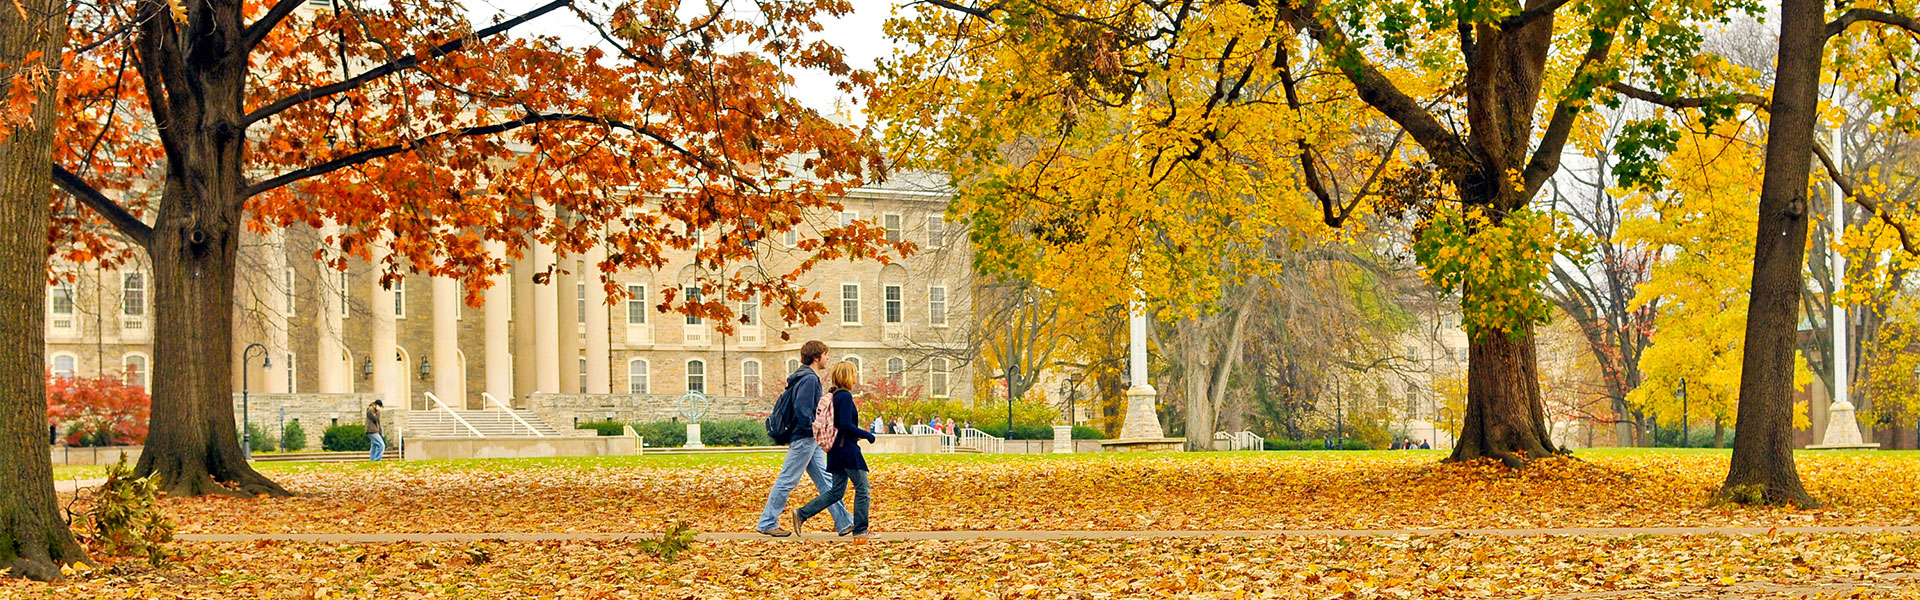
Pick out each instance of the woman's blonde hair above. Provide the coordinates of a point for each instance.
(846, 375)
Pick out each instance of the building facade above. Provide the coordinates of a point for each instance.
(326, 330)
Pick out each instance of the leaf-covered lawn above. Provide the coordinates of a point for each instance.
(1308, 490)
(1784, 566)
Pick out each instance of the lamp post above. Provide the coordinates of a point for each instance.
(246, 432)
(1686, 429)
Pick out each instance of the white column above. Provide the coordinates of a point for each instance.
(546, 320)
(387, 371)
(1142, 420)
(599, 342)
(330, 361)
(278, 314)
(1839, 223)
(449, 376)
(569, 320)
(499, 350)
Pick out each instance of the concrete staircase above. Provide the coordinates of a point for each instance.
(439, 423)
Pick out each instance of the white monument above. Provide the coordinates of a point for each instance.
(1063, 439)
(1140, 430)
(693, 405)
(1843, 431)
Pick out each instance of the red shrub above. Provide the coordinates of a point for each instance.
(98, 411)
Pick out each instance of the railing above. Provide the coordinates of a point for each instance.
(456, 416)
(979, 440)
(1242, 440)
(516, 416)
(946, 439)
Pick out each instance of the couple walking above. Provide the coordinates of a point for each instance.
(822, 433)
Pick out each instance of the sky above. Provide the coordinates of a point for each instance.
(858, 34)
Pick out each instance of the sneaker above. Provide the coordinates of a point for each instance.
(846, 532)
(775, 532)
(866, 535)
(796, 522)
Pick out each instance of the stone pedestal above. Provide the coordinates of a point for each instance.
(1843, 431)
(693, 436)
(1142, 420)
(1063, 439)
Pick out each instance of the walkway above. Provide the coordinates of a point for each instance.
(380, 538)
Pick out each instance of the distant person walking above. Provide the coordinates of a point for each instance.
(804, 455)
(376, 443)
(844, 461)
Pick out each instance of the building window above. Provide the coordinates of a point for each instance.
(892, 223)
(893, 304)
(637, 305)
(937, 378)
(637, 376)
(583, 374)
(750, 312)
(580, 302)
(850, 303)
(136, 370)
(343, 295)
(936, 231)
(697, 376)
(133, 294)
(895, 366)
(292, 386)
(937, 305)
(289, 291)
(848, 217)
(699, 239)
(60, 298)
(693, 297)
(1413, 353)
(791, 238)
(793, 364)
(855, 360)
(400, 300)
(750, 378)
(64, 365)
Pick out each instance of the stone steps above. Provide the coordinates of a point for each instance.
(490, 423)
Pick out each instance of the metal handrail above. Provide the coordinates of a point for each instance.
(510, 413)
(455, 415)
(977, 438)
(946, 439)
(1241, 440)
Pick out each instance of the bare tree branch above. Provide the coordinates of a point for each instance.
(1847, 189)
(258, 29)
(1847, 19)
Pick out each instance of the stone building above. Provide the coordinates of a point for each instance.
(560, 343)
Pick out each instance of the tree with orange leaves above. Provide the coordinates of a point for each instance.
(433, 141)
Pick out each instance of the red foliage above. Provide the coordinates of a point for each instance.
(97, 411)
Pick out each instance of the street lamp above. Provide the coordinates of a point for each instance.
(1686, 429)
(425, 368)
(246, 432)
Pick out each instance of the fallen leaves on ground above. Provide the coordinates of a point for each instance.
(1780, 566)
(1104, 492)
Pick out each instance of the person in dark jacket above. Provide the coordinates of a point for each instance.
(804, 456)
(844, 461)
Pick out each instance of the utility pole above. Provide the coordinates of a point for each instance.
(1686, 428)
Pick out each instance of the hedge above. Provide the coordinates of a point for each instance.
(673, 434)
(1038, 432)
(344, 438)
(294, 436)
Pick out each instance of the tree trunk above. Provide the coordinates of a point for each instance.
(34, 541)
(1719, 433)
(1194, 376)
(1762, 467)
(1505, 417)
(192, 443)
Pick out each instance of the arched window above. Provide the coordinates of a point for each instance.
(793, 364)
(895, 366)
(64, 365)
(750, 378)
(852, 359)
(697, 376)
(637, 376)
(136, 370)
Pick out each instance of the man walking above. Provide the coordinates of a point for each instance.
(804, 455)
(376, 443)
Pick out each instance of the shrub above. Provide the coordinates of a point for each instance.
(604, 428)
(676, 539)
(740, 432)
(122, 519)
(1277, 444)
(294, 436)
(663, 434)
(98, 411)
(344, 438)
(259, 440)
(1357, 445)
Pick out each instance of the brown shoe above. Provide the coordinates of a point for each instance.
(796, 522)
(775, 532)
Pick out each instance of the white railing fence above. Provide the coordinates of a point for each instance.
(979, 440)
(947, 440)
(1241, 440)
(509, 410)
(438, 405)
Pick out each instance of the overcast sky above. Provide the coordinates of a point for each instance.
(858, 34)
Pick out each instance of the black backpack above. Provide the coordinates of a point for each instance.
(780, 424)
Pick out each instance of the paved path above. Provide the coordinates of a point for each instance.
(376, 538)
(67, 485)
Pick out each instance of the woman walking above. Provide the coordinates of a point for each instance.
(845, 464)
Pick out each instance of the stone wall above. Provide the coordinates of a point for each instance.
(564, 410)
(317, 412)
(94, 455)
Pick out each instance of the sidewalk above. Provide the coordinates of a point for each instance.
(63, 486)
(382, 538)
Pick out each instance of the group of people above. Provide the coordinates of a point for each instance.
(898, 427)
(823, 444)
(1410, 445)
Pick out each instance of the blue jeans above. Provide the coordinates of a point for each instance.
(862, 498)
(378, 446)
(804, 457)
